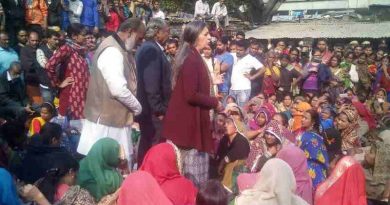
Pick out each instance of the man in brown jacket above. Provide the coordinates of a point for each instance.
(111, 103)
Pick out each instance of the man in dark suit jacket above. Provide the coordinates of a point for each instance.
(154, 84)
(14, 104)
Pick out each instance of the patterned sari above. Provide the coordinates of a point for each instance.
(317, 157)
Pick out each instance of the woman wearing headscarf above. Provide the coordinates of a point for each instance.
(8, 194)
(314, 147)
(347, 124)
(253, 105)
(273, 141)
(187, 120)
(140, 188)
(379, 105)
(271, 75)
(297, 113)
(296, 158)
(275, 185)
(257, 146)
(97, 172)
(163, 162)
(232, 153)
(377, 168)
(345, 185)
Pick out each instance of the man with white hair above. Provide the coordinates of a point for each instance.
(111, 103)
(154, 84)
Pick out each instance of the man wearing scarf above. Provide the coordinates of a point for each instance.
(111, 103)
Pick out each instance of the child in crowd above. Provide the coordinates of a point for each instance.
(46, 114)
(326, 117)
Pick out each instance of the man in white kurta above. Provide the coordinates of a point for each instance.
(111, 103)
(220, 14)
(202, 9)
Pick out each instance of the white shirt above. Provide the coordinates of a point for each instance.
(219, 10)
(9, 77)
(158, 14)
(241, 67)
(201, 8)
(76, 7)
(110, 63)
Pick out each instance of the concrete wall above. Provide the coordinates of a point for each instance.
(323, 5)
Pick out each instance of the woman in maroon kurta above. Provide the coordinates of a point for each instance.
(187, 120)
(71, 58)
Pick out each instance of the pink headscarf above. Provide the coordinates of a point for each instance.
(246, 181)
(142, 189)
(296, 158)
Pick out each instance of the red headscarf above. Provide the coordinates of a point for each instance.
(345, 186)
(142, 189)
(365, 114)
(161, 162)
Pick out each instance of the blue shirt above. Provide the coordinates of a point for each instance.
(7, 56)
(228, 59)
(90, 16)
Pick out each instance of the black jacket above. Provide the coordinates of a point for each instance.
(12, 10)
(28, 59)
(54, 12)
(12, 93)
(154, 79)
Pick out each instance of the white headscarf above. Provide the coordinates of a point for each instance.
(275, 186)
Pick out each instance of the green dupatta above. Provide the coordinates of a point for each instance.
(97, 172)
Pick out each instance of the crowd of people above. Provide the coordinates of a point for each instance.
(129, 114)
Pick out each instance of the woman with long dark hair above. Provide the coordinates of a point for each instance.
(187, 120)
(314, 147)
(59, 178)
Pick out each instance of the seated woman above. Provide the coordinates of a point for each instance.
(275, 185)
(58, 179)
(97, 173)
(296, 158)
(297, 113)
(140, 188)
(345, 185)
(314, 147)
(163, 162)
(46, 114)
(233, 151)
(377, 169)
(274, 141)
(347, 124)
(43, 151)
(379, 105)
(283, 121)
(8, 193)
(257, 126)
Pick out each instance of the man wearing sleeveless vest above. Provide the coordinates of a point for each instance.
(111, 103)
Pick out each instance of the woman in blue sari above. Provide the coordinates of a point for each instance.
(314, 147)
